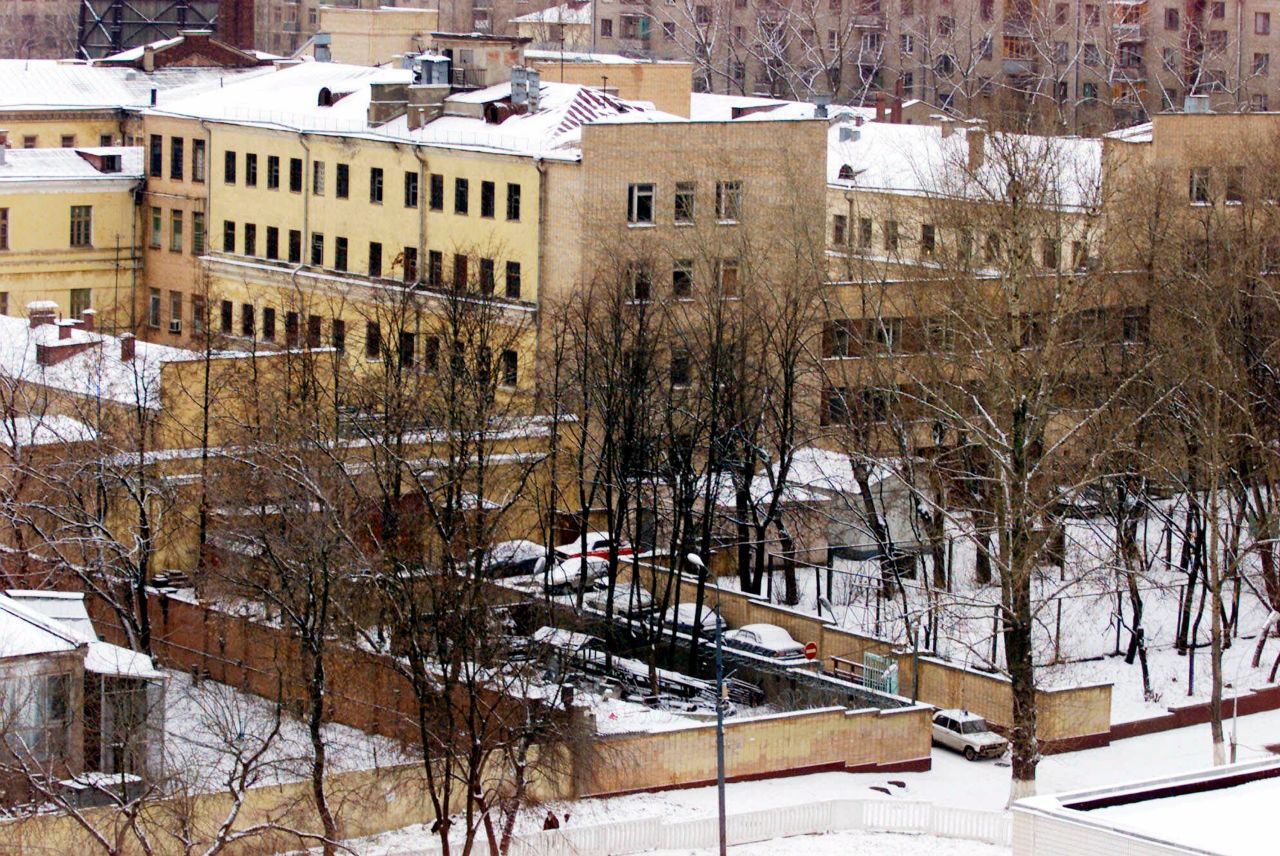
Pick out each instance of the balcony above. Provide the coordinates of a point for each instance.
(1021, 67)
(1128, 74)
(1130, 32)
(870, 21)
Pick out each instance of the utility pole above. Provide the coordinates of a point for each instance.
(721, 700)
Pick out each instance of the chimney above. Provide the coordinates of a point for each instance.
(64, 330)
(148, 58)
(948, 127)
(41, 312)
(387, 101)
(858, 120)
(895, 115)
(88, 320)
(533, 83)
(153, 96)
(128, 346)
(977, 140)
(880, 106)
(4, 144)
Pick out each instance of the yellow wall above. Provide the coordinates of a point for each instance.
(87, 127)
(41, 264)
(376, 36)
(668, 84)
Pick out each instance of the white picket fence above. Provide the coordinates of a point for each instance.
(655, 833)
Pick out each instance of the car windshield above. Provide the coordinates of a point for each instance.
(973, 726)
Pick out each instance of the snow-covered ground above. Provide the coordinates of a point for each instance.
(953, 781)
(855, 843)
(208, 726)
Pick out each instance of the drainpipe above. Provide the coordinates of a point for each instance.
(424, 200)
(1239, 51)
(541, 166)
(306, 198)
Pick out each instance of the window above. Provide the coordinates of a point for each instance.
(1171, 18)
(4, 229)
(153, 309)
(268, 324)
(864, 233)
(317, 178)
(273, 242)
(1050, 252)
(486, 199)
(891, 234)
(928, 239)
(459, 271)
(1060, 14)
(839, 229)
(1219, 10)
(250, 170)
(838, 339)
(295, 175)
(684, 201)
(513, 280)
(68, 141)
(1079, 255)
(606, 28)
(728, 200)
(486, 276)
(640, 281)
(197, 233)
(461, 195)
(229, 167)
(1262, 23)
(372, 340)
(344, 181)
(250, 239)
(510, 368)
(410, 190)
(946, 25)
(406, 348)
(314, 331)
(682, 279)
(437, 192)
(295, 246)
(225, 312)
(1089, 92)
(198, 309)
(156, 166)
(435, 268)
(317, 249)
(1092, 17)
(640, 203)
(1199, 185)
(340, 253)
(339, 335)
(375, 258)
(1091, 56)
(176, 148)
(81, 225)
(291, 329)
(908, 83)
(906, 44)
(513, 202)
(29, 142)
(669, 31)
(375, 185)
(273, 172)
(1217, 40)
(410, 264)
(986, 9)
(157, 227)
(1235, 184)
(246, 321)
(1258, 102)
(197, 161)
(228, 236)
(1262, 64)
(727, 277)
(80, 301)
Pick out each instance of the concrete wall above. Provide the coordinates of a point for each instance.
(668, 85)
(376, 36)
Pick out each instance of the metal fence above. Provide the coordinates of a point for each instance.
(654, 833)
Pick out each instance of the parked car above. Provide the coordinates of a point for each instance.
(968, 734)
(682, 619)
(515, 559)
(627, 599)
(766, 640)
(597, 545)
(563, 578)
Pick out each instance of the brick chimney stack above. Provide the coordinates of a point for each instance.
(89, 320)
(64, 331)
(41, 312)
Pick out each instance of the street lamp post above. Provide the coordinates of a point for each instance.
(696, 561)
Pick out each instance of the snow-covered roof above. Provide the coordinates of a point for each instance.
(44, 84)
(565, 13)
(1135, 134)
(44, 430)
(920, 160)
(30, 165)
(25, 631)
(97, 371)
(66, 612)
(532, 54)
(131, 54)
(762, 491)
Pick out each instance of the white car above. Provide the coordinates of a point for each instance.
(627, 600)
(682, 619)
(515, 559)
(968, 734)
(766, 640)
(564, 577)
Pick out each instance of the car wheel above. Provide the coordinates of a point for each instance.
(970, 754)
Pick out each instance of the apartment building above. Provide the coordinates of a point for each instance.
(1088, 65)
(69, 230)
(39, 29)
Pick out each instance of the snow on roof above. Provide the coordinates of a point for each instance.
(25, 165)
(67, 609)
(919, 160)
(581, 56)
(1135, 134)
(33, 84)
(95, 372)
(136, 53)
(762, 491)
(25, 631)
(44, 430)
(565, 13)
